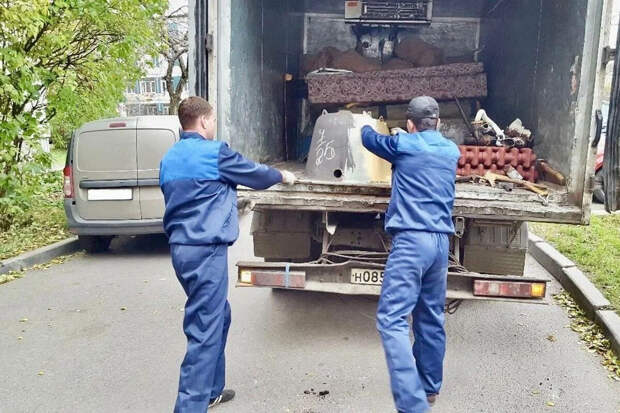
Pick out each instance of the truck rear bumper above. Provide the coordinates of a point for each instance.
(336, 278)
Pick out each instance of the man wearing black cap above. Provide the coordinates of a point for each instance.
(420, 220)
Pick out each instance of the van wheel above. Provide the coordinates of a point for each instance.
(94, 244)
(599, 187)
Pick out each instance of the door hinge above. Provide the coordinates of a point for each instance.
(209, 42)
(459, 227)
(591, 184)
(609, 55)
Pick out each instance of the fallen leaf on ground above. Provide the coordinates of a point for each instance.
(590, 333)
(23, 320)
(550, 404)
(40, 373)
(551, 338)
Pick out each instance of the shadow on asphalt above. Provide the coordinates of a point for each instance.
(325, 314)
(140, 245)
(292, 296)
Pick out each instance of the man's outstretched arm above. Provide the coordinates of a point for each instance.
(383, 146)
(237, 170)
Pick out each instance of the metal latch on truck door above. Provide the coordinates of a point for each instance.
(459, 227)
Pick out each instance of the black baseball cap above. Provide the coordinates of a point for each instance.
(423, 107)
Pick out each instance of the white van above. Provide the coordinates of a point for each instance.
(111, 178)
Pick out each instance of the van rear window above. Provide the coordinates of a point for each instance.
(108, 150)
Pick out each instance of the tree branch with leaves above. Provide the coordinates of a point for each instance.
(174, 49)
(64, 62)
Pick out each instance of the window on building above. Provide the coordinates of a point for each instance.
(133, 110)
(150, 109)
(147, 85)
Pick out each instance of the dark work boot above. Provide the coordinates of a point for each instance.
(431, 398)
(226, 396)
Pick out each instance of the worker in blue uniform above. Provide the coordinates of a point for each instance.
(198, 177)
(419, 218)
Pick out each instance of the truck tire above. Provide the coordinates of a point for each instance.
(94, 244)
(599, 189)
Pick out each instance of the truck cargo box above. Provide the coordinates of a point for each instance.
(540, 63)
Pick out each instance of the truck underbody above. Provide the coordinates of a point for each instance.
(329, 237)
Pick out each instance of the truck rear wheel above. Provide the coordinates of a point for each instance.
(94, 244)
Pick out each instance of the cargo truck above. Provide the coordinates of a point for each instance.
(542, 61)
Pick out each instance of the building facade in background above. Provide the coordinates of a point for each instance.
(148, 96)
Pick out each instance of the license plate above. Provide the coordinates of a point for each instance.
(365, 276)
(121, 194)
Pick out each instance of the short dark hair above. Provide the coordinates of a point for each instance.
(425, 124)
(191, 109)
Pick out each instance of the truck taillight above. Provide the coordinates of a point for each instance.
(68, 181)
(515, 289)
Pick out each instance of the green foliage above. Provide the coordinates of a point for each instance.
(64, 61)
(59, 158)
(594, 248)
(24, 181)
(38, 218)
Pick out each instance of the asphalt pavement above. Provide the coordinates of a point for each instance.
(102, 333)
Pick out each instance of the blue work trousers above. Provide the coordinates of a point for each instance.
(414, 283)
(202, 270)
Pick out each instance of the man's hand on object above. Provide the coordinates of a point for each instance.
(288, 178)
(396, 131)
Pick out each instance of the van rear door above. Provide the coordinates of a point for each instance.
(106, 172)
(155, 135)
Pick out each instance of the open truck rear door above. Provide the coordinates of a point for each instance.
(611, 164)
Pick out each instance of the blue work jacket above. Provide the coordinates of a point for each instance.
(199, 178)
(423, 176)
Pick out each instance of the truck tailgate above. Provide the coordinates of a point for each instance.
(472, 200)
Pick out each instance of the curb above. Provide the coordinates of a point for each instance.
(591, 300)
(40, 255)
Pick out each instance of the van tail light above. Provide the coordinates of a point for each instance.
(492, 288)
(68, 181)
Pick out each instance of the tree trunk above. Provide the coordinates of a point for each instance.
(175, 93)
(174, 104)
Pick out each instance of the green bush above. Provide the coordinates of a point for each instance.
(37, 215)
(18, 188)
